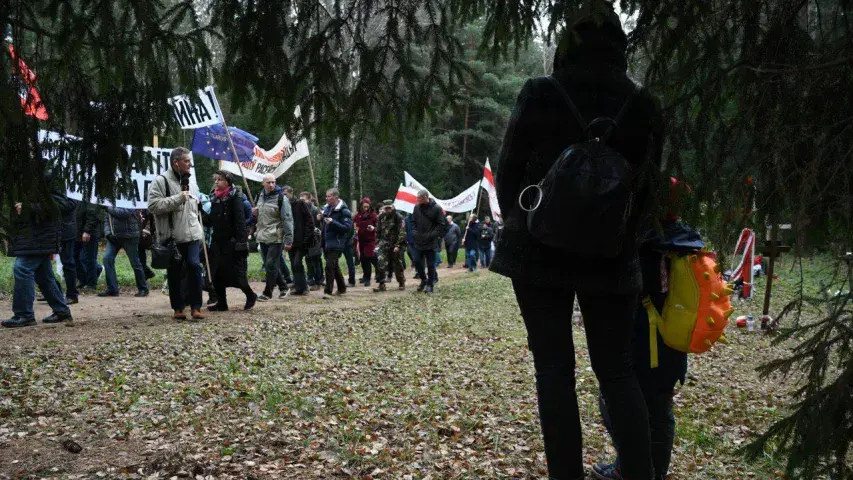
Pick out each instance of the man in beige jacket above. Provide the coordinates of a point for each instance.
(175, 207)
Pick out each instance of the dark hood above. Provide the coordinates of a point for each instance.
(594, 39)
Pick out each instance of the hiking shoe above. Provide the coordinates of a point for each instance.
(141, 293)
(263, 297)
(380, 288)
(179, 315)
(218, 307)
(284, 293)
(108, 294)
(299, 293)
(428, 289)
(165, 290)
(422, 286)
(197, 315)
(250, 302)
(72, 300)
(149, 274)
(211, 300)
(401, 287)
(606, 471)
(57, 317)
(17, 322)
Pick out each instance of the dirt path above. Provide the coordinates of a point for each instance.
(97, 319)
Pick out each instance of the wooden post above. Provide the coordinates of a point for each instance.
(774, 234)
(237, 160)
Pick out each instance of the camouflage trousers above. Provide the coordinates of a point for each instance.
(386, 255)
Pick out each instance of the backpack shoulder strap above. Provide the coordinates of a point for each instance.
(562, 91)
(625, 107)
(168, 194)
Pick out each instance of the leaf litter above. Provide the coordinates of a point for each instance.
(412, 387)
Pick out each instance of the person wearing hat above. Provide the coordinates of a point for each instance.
(366, 221)
(229, 242)
(590, 68)
(392, 245)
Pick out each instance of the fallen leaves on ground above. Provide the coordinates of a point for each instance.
(415, 387)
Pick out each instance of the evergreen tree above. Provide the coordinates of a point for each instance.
(756, 89)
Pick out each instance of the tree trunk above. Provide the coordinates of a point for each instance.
(336, 176)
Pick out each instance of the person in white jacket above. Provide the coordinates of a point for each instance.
(175, 207)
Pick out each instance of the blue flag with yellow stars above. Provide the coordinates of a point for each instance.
(212, 142)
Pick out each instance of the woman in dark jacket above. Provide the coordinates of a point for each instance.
(590, 65)
(366, 222)
(229, 246)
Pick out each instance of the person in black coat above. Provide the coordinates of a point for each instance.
(229, 245)
(430, 225)
(590, 65)
(68, 239)
(122, 230)
(471, 242)
(303, 239)
(35, 231)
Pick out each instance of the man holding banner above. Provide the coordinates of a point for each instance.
(176, 214)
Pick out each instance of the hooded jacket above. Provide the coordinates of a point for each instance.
(541, 126)
(337, 232)
(366, 238)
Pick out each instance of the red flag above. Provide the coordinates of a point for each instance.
(30, 98)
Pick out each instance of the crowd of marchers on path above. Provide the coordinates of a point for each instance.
(572, 182)
(210, 235)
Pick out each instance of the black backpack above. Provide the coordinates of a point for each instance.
(585, 200)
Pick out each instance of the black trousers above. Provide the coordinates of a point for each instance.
(230, 270)
(428, 257)
(333, 272)
(661, 423)
(271, 254)
(609, 325)
(297, 255)
(452, 255)
(368, 265)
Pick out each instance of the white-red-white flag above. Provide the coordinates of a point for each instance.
(406, 199)
(745, 248)
(488, 184)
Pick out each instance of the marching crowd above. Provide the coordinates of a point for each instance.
(590, 239)
(208, 239)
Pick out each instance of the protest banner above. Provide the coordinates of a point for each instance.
(199, 111)
(276, 161)
(464, 202)
(137, 197)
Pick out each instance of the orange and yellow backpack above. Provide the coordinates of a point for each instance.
(697, 307)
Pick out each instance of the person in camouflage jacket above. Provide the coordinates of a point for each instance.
(391, 246)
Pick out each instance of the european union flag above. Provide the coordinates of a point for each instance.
(212, 142)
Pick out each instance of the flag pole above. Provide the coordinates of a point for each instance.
(313, 181)
(468, 217)
(237, 160)
(204, 246)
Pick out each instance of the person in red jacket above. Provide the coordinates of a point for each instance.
(366, 222)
